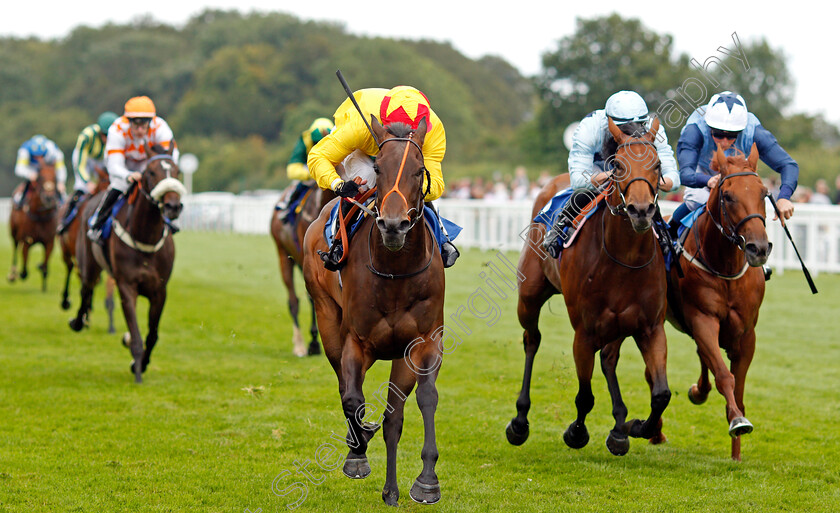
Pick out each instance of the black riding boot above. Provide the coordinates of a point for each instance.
(333, 255)
(300, 190)
(64, 223)
(102, 213)
(555, 237)
(22, 200)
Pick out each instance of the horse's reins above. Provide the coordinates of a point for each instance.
(737, 240)
(621, 209)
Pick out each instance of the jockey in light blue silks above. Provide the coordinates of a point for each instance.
(725, 121)
(592, 150)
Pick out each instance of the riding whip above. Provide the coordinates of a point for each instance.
(355, 104)
(804, 269)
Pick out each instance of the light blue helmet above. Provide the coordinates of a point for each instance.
(727, 111)
(626, 107)
(37, 145)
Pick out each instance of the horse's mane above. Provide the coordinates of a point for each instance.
(611, 145)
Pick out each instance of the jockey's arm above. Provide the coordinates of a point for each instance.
(79, 158)
(24, 167)
(434, 148)
(115, 163)
(332, 149)
(772, 154)
(582, 156)
(296, 168)
(688, 153)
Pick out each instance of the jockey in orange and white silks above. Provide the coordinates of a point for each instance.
(351, 138)
(125, 153)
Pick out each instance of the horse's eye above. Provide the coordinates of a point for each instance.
(376, 168)
(728, 197)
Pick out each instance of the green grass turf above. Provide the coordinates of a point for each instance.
(76, 434)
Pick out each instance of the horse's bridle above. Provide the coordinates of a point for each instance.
(149, 194)
(418, 209)
(621, 208)
(732, 236)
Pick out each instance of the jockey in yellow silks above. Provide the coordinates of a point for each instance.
(350, 143)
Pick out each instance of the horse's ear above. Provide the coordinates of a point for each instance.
(718, 163)
(171, 147)
(654, 130)
(420, 134)
(378, 130)
(753, 158)
(616, 132)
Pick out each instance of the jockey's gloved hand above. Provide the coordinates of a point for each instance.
(347, 189)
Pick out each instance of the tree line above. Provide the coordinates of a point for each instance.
(239, 88)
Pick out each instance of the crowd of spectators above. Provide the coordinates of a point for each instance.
(518, 186)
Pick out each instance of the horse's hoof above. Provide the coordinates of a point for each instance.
(390, 496)
(299, 351)
(11, 278)
(23, 274)
(126, 340)
(423, 493)
(111, 330)
(576, 436)
(76, 324)
(514, 437)
(618, 443)
(658, 438)
(65, 305)
(694, 395)
(356, 468)
(740, 426)
(314, 348)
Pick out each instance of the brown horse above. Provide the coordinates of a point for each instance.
(36, 222)
(67, 241)
(387, 304)
(716, 302)
(288, 238)
(139, 254)
(613, 282)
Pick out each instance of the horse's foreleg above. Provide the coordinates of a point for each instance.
(128, 297)
(24, 253)
(156, 303)
(576, 435)
(65, 301)
(399, 386)
(653, 347)
(287, 268)
(739, 365)
(314, 345)
(617, 441)
(86, 295)
(517, 430)
(13, 271)
(353, 403)
(706, 331)
(109, 303)
(44, 267)
(426, 488)
(699, 392)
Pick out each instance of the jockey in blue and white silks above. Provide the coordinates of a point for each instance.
(589, 161)
(586, 164)
(725, 121)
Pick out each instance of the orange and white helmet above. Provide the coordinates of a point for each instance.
(405, 104)
(139, 107)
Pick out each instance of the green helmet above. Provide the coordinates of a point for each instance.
(106, 119)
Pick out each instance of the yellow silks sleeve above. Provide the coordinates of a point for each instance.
(297, 171)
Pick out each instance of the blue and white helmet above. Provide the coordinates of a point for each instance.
(726, 111)
(37, 145)
(626, 107)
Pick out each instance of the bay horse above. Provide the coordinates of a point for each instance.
(139, 254)
(387, 304)
(613, 282)
(717, 300)
(36, 222)
(67, 241)
(288, 238)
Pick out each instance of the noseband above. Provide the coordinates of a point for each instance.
(621, 209)
(170, 183)
(732, 235)
(395, 189)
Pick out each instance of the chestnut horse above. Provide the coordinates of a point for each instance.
(716, 302)
(139, 254)
(288, 238)
(387, 304)
(613, 282)
(36, 222)
(67, 241)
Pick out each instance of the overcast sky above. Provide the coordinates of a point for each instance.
(520, 32)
